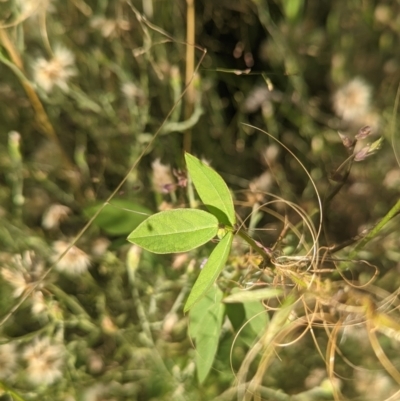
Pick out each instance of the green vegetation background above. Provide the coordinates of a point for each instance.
(282, 66)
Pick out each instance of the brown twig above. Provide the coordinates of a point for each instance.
(190, 67)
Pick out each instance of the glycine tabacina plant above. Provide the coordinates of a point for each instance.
(181, 230)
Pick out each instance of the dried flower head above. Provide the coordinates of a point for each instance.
(270, 154)
(55, 72)
(54, 215)
(110, 27)
(23, 273)
(132, 91)
(44, 361)
(29, 8)
(162, 177)
(352, 101)
(259, 97)
(180, 260)
(100, 246)
(38, 303)
(74, 262)
(8, 360)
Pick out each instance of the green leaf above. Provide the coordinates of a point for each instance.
(119, 217)
(205, 322)
(210, 271)
(251, 296)
(257, 316)
(178, 230)
(255, 313)
(212, 190)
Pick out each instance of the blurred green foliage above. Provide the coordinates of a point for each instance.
(87, 85)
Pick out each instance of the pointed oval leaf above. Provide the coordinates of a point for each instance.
(211, 270)
(257, 316)
(205, 322)
(119, 217)
(251, 296)
(212, 190)
(172, 231)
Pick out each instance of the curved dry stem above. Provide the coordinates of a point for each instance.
(348, 306)
(304, 169)
(283, 219)
(265, 347)
(236, 337)
(352, 283)
(380, 354)
(330, 358)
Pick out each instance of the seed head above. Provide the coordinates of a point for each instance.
(54, 215)
(29, 8)
(74, 262)
(56, 71)
(110, 28)
(44, 361)
(8, 360)
(38, 303)
(162, 177)
(352, 101)
(23, 273)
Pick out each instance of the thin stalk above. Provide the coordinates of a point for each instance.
(190, 68)
(375, 231)
(368, 237)
(253, 244)
(70, 302)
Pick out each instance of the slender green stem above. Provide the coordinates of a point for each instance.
(190, 194)
(74, 306)
(254, 244)
(378, 227)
